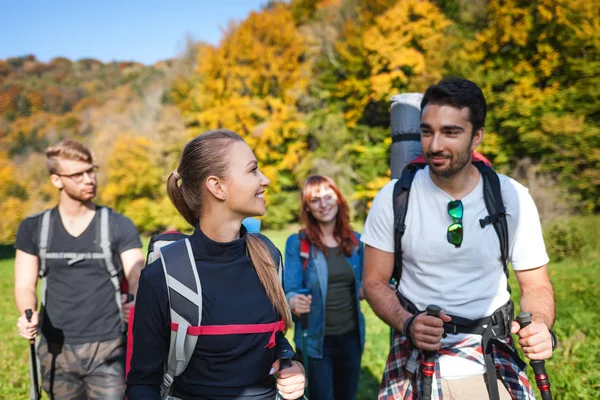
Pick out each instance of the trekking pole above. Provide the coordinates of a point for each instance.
(428, 364)
(34, 385)
(304, 327)
(539, 366)
(285, 361)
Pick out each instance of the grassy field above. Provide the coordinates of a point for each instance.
(574, 368)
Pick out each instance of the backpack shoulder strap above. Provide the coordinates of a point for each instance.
(400, 202)
(44, 240)
(105, 245)
(304, 249)
(275, 254)
(492, 195)
(185, 304)
(159, 241)
(354, 239)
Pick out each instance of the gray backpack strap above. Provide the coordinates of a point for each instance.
(155, 253)
(43, 244)
(107, 255)
(43, 250)
(185, 302)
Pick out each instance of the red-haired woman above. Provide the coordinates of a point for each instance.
(323, 277)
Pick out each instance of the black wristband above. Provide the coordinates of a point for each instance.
(409, 321)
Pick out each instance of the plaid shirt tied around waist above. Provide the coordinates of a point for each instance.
(398, 385)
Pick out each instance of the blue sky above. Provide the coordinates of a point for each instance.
(125, 30)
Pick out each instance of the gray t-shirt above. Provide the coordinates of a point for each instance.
(340, 307)
(80, 299)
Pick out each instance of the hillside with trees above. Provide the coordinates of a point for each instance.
(307, 83)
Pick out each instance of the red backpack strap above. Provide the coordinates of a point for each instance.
(305, 248)
(236, 329)
(304, 251)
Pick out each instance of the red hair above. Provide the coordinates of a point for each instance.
(342, 232)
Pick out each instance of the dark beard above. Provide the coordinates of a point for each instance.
(456, 165)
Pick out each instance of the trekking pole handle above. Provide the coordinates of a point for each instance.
(433, 310)
(28, 315)
(283, 364)
(285, 358)
(428, 364)
(304, 317)
(539, 366)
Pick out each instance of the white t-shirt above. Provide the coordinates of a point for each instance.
(468, 281)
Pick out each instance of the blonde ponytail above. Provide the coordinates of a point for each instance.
(268, 274)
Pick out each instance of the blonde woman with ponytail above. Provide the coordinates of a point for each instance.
(216, 185)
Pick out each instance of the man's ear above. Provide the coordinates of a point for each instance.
(477, 139)
(56, 181)
(215, 187)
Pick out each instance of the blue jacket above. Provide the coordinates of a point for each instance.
(316, 276)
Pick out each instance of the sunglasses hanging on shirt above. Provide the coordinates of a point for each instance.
(455, 230)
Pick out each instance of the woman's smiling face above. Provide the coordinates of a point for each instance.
(245, 183)
(323, 204)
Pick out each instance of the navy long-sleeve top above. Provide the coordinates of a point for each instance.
(223, 366)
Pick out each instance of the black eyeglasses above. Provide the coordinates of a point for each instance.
(455, 231)
(77, 177)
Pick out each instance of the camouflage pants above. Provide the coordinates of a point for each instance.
(93, 370)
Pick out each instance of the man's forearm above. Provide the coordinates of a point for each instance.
(25, 299)
(385, 304)
(133, 277)
(539, 301)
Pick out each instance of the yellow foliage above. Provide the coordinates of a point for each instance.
(13, 211)
(132, 172)
(403, 50)
(13, 200)
(371, 189)
(36, 102)
(251, 83)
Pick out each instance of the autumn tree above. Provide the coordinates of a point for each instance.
(540, 67)
(252, 84)
(403, 49)
(13, 199)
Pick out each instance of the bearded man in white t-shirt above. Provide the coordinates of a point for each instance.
(466, 279)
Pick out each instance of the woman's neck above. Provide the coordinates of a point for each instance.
(220, 229)
(327, 236)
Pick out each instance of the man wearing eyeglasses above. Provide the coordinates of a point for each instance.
(450, 258)
(80, 252)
